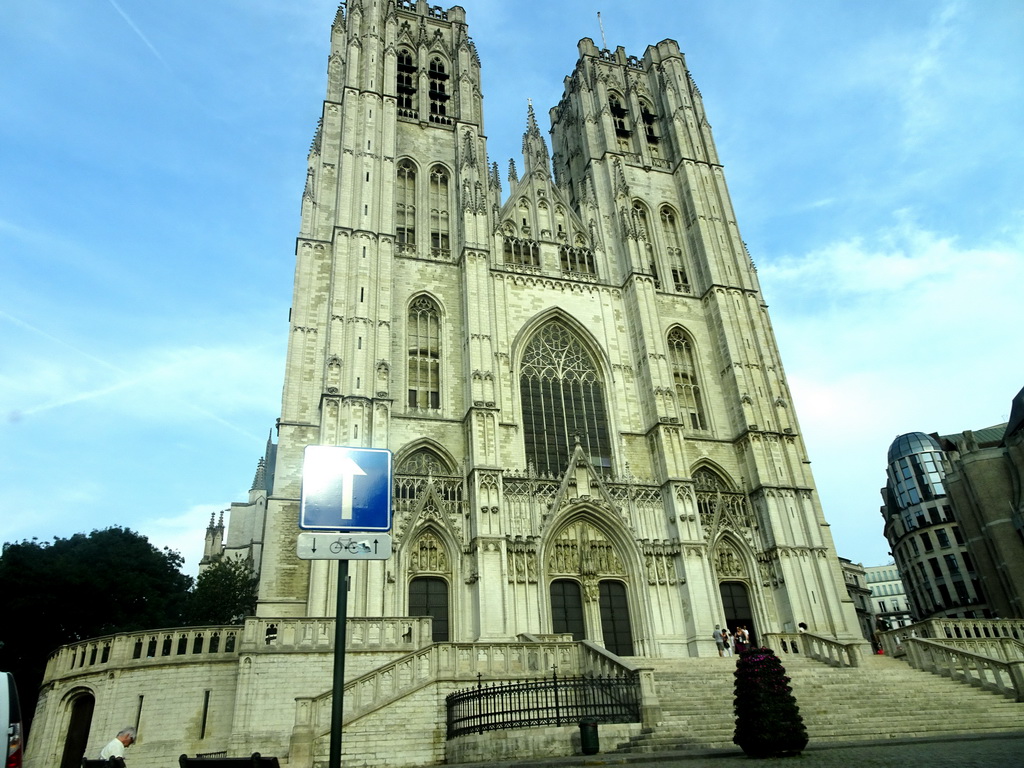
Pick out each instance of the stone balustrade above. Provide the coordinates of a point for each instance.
(455, 662)
(140, 649)
(184, 645)
(825, 649)
(1005, 677)
(990, 634)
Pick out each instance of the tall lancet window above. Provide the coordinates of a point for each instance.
(439, 216)
(405, 207)
(684, 374)
(670, 234)
(563, 401)
(438, 92)
(424, 337)
(405, 85)
(646, 239)
(620, 117)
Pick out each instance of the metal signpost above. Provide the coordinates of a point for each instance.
(346, 500)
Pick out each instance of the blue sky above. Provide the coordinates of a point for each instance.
(152, 158)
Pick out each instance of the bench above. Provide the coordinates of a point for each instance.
(255, 760)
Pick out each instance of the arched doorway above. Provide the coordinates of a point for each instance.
(428, 596)
(78, 730)
(567, 609)
(615, 625)
(736, 604)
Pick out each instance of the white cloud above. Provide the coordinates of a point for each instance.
(898, 331)
(183, 532)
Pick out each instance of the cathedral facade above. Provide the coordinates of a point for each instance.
(590, 422)
(591, 430)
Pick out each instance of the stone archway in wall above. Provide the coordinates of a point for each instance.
(80, 707)
(733, 572)
(430, 579)
(589, 591)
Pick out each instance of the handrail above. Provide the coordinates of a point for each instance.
(440, 661)
(1005, 677)
(829, 650)
(1004, 633)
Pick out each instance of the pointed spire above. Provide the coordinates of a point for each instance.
(513, 177)
(535, 150)
(259, 482)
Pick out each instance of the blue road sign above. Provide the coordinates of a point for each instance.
(345, 489)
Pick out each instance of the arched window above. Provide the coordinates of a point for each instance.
(424, 370)
(577, 259)
(405, 207)
(405, 87)
(620, 117)
(684, 375)
(519, 250)
(438, 92)
(670, 232)
(650, 123)
(439, 216)
(563, 402)
(646, 239)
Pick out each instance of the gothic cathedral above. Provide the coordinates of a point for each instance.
(590, 424)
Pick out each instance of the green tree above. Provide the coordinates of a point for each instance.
(225, 593)
(88, 585)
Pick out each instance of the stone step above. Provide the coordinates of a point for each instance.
(837, 704)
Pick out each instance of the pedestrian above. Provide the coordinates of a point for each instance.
(718, 638)
(727, 641)
(740, 639)
(114, 751)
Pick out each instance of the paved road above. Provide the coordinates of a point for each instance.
(1003, 751)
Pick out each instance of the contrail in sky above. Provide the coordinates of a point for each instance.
(138, 32)
(124, 384)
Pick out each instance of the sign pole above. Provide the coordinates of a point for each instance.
(334, 759)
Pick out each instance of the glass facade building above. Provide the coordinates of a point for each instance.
(926, 540)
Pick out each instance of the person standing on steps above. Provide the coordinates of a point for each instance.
(719, 639)
(727, 641)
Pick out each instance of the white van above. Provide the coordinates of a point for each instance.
(10, 720)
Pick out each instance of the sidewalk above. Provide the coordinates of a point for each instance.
(998, 751)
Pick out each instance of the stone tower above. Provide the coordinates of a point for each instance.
(591, 427)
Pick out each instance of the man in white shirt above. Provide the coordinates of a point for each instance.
(114, 751)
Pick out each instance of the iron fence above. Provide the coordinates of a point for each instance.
(545, 701)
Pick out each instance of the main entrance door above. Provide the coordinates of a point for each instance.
(615, 624)
(567, 608)
(736, 602)
(428, 596)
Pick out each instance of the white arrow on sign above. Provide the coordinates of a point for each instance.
(349, 470)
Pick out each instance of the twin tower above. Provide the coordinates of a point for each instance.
(591, 427)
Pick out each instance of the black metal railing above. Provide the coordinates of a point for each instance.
(544, 701)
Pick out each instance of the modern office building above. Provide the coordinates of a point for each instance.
(926, 540)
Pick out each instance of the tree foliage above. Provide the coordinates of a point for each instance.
(88, 585)
(225, 593)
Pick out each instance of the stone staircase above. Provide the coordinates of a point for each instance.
(884, 698)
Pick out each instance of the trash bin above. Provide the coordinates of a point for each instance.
(589, 742)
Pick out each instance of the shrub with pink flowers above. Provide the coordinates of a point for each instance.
(768, 721)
